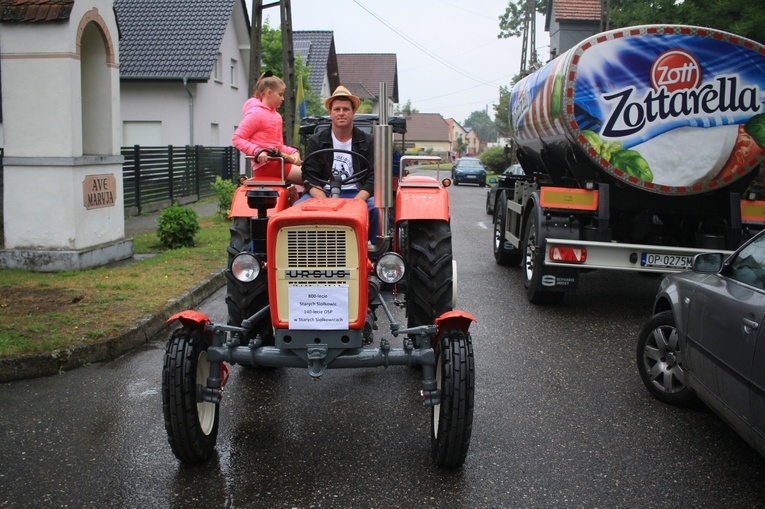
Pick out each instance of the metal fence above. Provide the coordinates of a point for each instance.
(156, 177)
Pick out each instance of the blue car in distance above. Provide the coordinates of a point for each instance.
(706, 339)
(469, 170)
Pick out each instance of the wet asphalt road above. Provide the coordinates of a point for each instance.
(561, 420)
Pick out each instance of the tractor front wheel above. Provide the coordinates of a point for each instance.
(452, 418)
(191, 424)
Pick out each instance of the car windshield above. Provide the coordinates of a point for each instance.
(515, 169)
(470, 163)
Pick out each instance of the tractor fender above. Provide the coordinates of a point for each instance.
(422, 203)
(190, 317)
(454, 319)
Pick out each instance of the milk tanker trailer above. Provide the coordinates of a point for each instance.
(639, 145)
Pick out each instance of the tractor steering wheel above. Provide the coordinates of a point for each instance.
(336, 182)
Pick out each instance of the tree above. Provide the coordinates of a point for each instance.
(460, 145)
(512, 21)
(494, 159)
(406, 109)
(483, 125)
(271, 43)
(501, 113)
(741, 17)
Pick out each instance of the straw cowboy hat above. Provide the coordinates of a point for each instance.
(342, 92)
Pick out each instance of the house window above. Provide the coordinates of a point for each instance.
(214, 135)
(234, 83)
(217, 71)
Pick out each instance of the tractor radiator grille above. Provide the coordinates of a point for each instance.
(317, 248)
(318, 256)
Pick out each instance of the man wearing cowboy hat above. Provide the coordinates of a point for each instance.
(342, 106)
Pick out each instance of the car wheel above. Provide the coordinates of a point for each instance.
(660, 361)
(191, 425)
(452, 418)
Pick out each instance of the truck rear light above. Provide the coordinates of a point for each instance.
(564, 254)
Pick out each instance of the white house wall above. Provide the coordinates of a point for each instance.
(213, 102)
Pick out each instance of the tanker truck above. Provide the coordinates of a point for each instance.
(639, 145)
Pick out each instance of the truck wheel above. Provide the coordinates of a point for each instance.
(244, 300)
(503, 256)
(452, 419)
(429, 289)
(660, 361)
(192, 426)
(532, 275)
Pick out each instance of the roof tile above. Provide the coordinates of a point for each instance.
(31, 11)
(362, 73)
(579, 10)
(167, 39)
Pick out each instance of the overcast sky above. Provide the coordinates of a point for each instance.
(450, 60)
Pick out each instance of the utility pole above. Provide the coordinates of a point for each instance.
(529, 48)
(288, 58)
(605, 16)
(288, 64)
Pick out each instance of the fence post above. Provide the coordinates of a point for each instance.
(197, 178)
(170, 172)
(137, 183)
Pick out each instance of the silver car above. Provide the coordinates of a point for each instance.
(706, 339)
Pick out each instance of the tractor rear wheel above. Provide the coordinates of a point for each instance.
(430, 285)
(245, 299)
(452, 418)
(191, 425)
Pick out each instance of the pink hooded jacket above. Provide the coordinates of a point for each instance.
(261, 127)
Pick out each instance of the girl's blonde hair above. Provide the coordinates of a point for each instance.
(267, 81)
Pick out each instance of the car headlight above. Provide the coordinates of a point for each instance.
(246, 267)
(390, 268)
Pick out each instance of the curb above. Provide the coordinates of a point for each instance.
(145, 331)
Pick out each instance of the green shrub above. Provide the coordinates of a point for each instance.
(177, 227)
(494, 159)
(224, 189)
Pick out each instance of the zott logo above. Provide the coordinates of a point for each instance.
(675, 69)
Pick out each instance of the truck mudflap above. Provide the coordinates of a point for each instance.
(454, 319)
(582, 254)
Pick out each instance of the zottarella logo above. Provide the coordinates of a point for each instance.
(675, 69)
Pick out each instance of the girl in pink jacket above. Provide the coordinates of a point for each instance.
(261, 128)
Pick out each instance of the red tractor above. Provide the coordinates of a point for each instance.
(304, 288)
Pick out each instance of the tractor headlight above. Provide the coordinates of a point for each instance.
(390, 268)
(246, 267)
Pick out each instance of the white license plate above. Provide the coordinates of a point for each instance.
(666, 261)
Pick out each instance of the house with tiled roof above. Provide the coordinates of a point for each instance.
(183, 81)
(428, 133)
(457, 134)
(362, 73)
(317, 49)
(570, 22)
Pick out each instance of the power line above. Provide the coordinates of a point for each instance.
(422, 48)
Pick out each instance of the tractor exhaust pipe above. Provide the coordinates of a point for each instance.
(383, 139)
